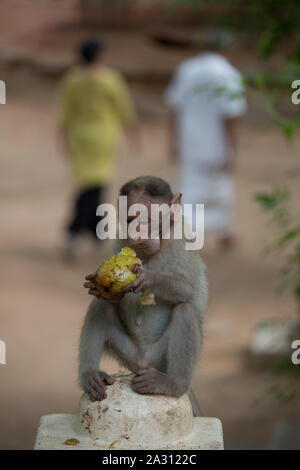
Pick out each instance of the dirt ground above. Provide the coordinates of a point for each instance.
(42, 299)
(43, 302)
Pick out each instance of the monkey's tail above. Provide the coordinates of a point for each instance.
(195, 405)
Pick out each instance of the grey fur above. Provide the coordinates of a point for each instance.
(168, 336)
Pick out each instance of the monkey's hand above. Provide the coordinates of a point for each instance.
(149, 380)
(91, 285)
(93, 383)
(144, 280)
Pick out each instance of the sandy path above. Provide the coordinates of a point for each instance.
(43, 303)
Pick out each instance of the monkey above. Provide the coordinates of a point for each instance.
(161, 343)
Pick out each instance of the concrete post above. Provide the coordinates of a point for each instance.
(126, 420)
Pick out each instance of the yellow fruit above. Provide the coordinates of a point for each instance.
(116, 273)
(147, 298)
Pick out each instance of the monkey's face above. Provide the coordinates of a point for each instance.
(144, 235)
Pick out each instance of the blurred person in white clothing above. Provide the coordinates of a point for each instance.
(206, 96)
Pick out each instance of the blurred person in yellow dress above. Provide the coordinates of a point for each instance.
(95, 107)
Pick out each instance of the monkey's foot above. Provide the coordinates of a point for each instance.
(149, 380)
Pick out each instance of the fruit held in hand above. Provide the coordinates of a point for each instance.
(116, 273)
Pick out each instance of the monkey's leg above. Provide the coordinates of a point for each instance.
(152, 356)
(121, 345)
(183, 346)
(183, 339)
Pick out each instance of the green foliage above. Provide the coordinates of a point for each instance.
(286, 387)
(273, 21)
(272, 200)
(277, 202)
(283, 393)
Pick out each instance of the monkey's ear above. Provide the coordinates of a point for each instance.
(176, 199)
(176, 206)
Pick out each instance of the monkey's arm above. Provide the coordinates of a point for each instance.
(103, 330)
(172, 287)
(92, 342)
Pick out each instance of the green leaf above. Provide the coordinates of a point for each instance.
(267, 201)
(259, 80)
(287, 129)
(289, 281)
(288, 237)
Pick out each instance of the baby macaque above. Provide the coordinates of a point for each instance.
(160, 343)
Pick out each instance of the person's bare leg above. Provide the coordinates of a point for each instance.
(227, 242)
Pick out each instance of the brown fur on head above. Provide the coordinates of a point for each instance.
(149, 185)
(152, 187)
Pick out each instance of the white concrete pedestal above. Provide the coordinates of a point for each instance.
(126, 420)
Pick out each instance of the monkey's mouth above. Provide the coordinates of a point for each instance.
(145, 250)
